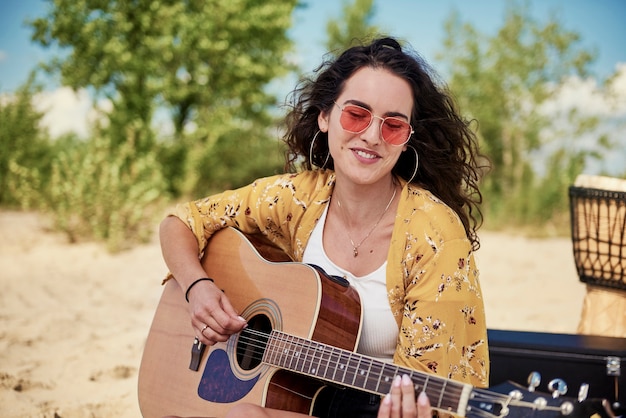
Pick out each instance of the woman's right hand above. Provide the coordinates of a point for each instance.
(212, 315)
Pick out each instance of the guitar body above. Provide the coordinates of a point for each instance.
(272, 293)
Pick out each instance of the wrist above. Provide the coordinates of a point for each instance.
(195, 282)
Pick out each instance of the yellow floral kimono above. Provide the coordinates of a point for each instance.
(432, 279)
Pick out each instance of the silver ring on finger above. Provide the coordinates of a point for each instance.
(203, 328)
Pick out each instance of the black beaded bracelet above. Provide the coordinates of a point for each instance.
(193, 284)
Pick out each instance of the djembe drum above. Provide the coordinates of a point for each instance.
(598, 226)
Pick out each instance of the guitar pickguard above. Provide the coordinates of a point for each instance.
(231, 373)
(219, 383)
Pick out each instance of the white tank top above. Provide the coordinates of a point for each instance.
(379, 331)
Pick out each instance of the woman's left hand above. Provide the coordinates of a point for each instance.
(401, 403)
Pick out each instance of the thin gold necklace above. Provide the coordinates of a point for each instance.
(355, 247)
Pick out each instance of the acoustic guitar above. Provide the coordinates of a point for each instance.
(303, 330)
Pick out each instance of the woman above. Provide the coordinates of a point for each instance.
(387, 198)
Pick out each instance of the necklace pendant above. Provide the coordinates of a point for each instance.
(355, 251)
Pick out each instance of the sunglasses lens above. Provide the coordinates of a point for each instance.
(355, 119)
(395, 131)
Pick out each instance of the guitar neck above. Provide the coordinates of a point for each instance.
(357, 371)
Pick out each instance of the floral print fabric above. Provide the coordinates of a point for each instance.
(432, 280)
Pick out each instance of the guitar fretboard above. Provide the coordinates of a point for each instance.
(357, 371)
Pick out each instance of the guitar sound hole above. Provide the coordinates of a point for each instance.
(252, 342)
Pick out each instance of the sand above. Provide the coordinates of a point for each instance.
(74, 318)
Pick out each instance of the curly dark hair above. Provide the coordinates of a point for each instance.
(447, 146)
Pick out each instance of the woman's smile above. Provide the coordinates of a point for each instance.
(365, 156)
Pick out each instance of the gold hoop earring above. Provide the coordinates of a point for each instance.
(417, 163)
(311, 152)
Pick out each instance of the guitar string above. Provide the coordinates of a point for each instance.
(429, 382)
(450, 394)
(434, 388)
(296, 344)
(354, 370)
(308, 356)
(456, 387)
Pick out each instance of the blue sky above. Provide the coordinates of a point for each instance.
(600, 22)
(420, 22)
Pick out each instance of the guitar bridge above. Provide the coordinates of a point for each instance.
(197, 349)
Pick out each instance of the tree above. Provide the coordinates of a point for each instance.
(353, 26)
(205, 62)
(502, 82)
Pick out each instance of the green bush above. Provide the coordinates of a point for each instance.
(104, 193)
(24, 148)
